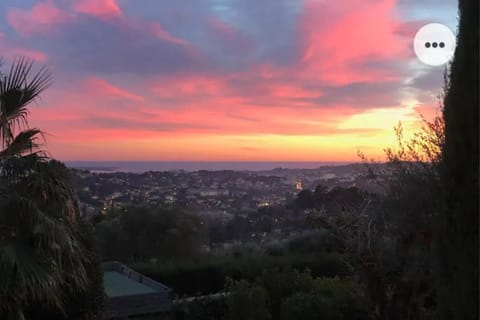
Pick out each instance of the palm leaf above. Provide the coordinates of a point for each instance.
(14, 168)
(44, 255)
(16, 92)
(23, 142)
(40, 255)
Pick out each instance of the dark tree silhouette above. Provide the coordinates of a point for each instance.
(48, 265)
(457, 242)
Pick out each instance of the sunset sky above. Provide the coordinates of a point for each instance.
(290, 80)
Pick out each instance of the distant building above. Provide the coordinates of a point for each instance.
(298, 185)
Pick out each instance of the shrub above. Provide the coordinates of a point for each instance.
(326, 299)
(209, 274)
(204, 309)
(247, 302)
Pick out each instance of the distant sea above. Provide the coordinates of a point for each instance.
(144, 166)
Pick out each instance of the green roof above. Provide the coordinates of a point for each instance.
(117, 284)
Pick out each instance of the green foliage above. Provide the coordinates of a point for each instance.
(291, 294)
(329, 306)
(281, 294)
(299, 295)
(304, 200)
(140, 233)
(344, 296)
(89, 303)
(308, 306)
(343, 199)
(335, 200)
(246, 301)
(275, 249)
(281, 285)
(320, 195)
(313, 241)
(209, 274)
(201, 309)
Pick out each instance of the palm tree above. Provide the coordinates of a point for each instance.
(44, 252)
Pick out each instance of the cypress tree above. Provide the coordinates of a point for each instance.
(457, 242)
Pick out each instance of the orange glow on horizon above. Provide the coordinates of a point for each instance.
(331, 148)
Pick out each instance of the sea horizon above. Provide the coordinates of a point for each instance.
(145, 166)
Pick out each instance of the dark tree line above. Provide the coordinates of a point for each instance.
(141, 233)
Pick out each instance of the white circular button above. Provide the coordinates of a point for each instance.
(434, 44)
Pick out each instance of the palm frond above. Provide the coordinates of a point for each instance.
(16, 92)
(23, 142)
(15, 168)
(40, 255)
(44, 254)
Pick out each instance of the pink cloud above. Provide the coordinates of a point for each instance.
(98, 8)
(31, 54)
(340, 44)
(11, 52)
(222, 28)
(268, 71)
(339, 36)
(428, 110)
(158, 31)
(189, 86)
(166, 123)
(292, 92)
(262, 85)
(409, 29)
(221, 114)
(43, 18)
(103, 87)
(228, 37)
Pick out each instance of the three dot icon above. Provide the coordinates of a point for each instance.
(434, 44)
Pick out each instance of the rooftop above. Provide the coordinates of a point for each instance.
(117, 284)
(131, 293)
